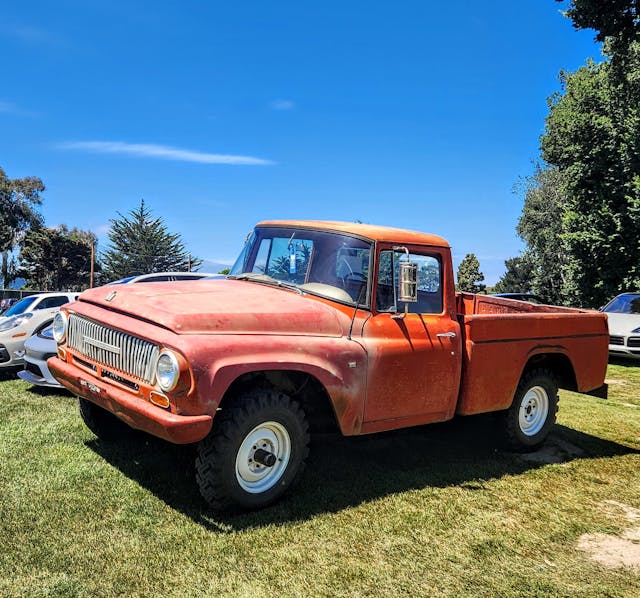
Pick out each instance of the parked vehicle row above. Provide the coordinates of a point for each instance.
(623, 316)
(25, 327)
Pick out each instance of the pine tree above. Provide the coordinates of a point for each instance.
(141, 244)
(518, 276)
(469, 276)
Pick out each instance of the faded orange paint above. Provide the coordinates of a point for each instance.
(380, 372)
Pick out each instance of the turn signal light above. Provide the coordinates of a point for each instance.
(159, 400)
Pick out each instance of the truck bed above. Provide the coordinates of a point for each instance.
(502, 337)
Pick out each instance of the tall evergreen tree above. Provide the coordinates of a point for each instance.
(19, 201)
(141, 244)
(470, 279)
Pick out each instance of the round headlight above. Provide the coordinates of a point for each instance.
(167, 370)
(59, 327)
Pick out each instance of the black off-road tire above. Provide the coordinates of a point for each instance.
(527, 423)
(223, 453)
(101, 422)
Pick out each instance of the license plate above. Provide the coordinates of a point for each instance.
(92, 387)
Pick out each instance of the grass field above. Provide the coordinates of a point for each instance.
(430, 511)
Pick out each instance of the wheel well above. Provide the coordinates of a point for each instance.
(300, 386)
(560, 365)
(42, 327)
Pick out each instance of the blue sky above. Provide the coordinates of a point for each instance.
(413, 114)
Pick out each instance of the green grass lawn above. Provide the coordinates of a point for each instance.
(435, 510)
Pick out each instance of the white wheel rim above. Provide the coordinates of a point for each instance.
(534, 410)
(253, 476)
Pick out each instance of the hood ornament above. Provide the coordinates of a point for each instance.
(110, 296)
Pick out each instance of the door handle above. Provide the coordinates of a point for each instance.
(446, 334)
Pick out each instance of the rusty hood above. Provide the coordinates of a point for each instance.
(219, 306)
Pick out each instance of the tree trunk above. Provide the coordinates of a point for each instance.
(5, 269)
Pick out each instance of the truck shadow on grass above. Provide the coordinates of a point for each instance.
(345, 472)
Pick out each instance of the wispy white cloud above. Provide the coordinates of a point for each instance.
(282, 105)
(29, 34)
(10, 108)
(162, 152)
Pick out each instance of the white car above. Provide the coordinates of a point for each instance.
(623, 313)
(38, 348)
(162, 277)
(27, 317)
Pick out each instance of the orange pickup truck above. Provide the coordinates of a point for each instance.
(318, 324)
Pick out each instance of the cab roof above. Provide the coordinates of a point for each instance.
(369, 231)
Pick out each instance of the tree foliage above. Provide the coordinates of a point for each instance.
(470, 279)
(615, 21)
(581, 215)
(518, 277)
(592, 137)
(141, 244)
(57, 259)
(540, 227)
(19, 201)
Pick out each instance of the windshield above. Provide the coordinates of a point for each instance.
(332, 265)
(20, 307)
(624, 304)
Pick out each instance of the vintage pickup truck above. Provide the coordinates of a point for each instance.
(318, 324)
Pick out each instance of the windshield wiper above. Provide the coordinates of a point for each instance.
(265, 279)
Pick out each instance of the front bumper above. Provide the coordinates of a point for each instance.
(624, 346)
(8, 357)
(36, 370)
(136, 412)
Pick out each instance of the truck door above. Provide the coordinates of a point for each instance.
(414, 361)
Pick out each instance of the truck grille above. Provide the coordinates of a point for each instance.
(616, 340)
(113, 349)
(633, 341)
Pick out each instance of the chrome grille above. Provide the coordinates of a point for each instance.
(113, 349)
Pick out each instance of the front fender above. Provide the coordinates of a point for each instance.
(340, 365)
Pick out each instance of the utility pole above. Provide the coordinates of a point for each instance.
(93, 259)
(189, 265)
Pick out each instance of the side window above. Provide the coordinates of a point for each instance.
(429, 282)
(50, 302)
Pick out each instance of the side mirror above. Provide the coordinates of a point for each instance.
(408, 282)
(407, 291)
